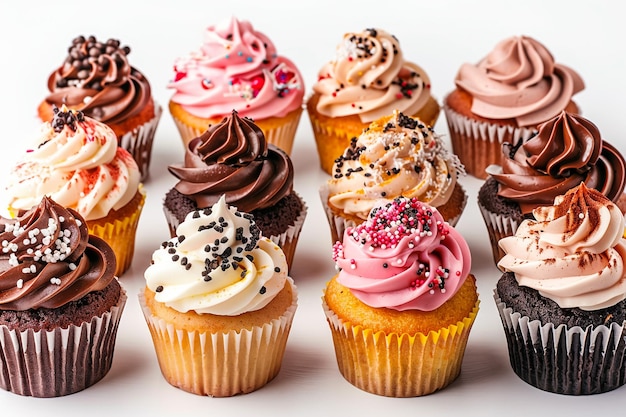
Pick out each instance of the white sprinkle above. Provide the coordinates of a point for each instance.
(72, 266)
(581, 215)
(55, 281)
(399, 261)
(431, 292)
(33, 269)
(20, 283)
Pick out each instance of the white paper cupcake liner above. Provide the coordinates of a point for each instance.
(139, 142)
(498, 227)
(561, 359)
(62, 361)
(288, 240)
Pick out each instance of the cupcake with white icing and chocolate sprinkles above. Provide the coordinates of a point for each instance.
(60, 303)
(219, 304)
(401, 308)
(369, 78)
(396, 155)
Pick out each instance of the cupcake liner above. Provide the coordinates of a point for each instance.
(187, 132)
(288, 240)
(478, 144)
(62, 361)
(564, 360)
(220, 364)
(399, 365)
(120, 233)
(139, 141)
(498, 227)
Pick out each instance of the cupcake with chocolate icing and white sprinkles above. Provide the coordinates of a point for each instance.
(401, 308)
(219, 304)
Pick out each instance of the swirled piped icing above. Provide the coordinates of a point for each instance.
(519, 79)
(48, 258)
(77, 162)
(567, 150)
(236, 67)
(573, 253)
(369, 77)
(405, 256)
(218, 263)
(97, 79)
(233, 158)
(397, 155)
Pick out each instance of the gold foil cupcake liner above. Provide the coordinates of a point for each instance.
(562, 359)
(220, 364)
(478, 144)
(399, 365)
(498, 227)
(139, 142)
(62, 361)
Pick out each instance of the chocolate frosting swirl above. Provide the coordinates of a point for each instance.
(97, 79)
(233, 159)
(567, 150)
(48, 258)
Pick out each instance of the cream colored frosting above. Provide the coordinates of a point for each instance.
(78, 164)
(218, 264)
(573, 253)
(369, 77)
(397, 155)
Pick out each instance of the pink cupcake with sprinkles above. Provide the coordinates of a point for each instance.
(404, 296)
(237, 68)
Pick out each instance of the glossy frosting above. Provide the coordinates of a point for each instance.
(519, 79)
(567, 150)
(97, 79)
(573, 253)
(77, 162)
(369, 77)
(48, 259)
(403, 257)
(218, 264)
(233, 159)
(237, 68)
(397, 155)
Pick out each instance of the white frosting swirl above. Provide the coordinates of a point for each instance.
(573, 253)
(218, 264)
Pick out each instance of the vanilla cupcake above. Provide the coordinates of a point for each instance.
(219, 304)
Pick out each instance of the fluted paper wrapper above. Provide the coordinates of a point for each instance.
(564, 360)
(498, 227)
(220, 364)
(62, 361)
(140, 140)
(478, 144)
(399, 365)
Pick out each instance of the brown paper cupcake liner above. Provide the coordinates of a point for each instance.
(564, 360)
(478, 144)
(399, 365)
(220, 364)
(62, 361)
(498, 227)
(139, 142)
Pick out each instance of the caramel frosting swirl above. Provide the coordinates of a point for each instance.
(234, 159)
(567, 150)
(573, 253)
(97, 79)
(48, 259)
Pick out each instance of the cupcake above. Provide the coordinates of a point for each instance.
(562, 297)
(238, 68)
(97, 79)
(368, 79)
(219, 304)
(232, 158)
(60, 303)
(504, 97)
(77, 162)
(402, 306)
(396, 155)
(567, 150)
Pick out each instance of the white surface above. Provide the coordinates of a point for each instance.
(438, 35)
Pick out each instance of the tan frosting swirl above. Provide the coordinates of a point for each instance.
(397, 155)
(369, 77)
(48, 259)
(519, 79)
(573, 253)
(77, 162)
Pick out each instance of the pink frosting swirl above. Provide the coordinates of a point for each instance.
(404, 257)
(237, 68)
(520, 80)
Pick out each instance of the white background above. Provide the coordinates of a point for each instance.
(438, 35)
